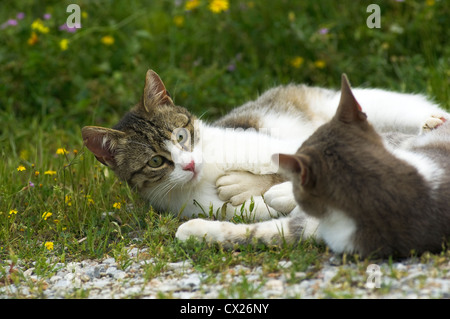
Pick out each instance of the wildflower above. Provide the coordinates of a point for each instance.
(56, 221)
(66, 28)
(30, 184)
(178, 20)
(218, 6)
(61, 151)
(75, 151)
(291, 16)
(49, 172)
(49, 245)
(84, 14)
(21, 168)
(320, 64)
(46, 215)
(89, 199)
(297, 62)
(117, 205)
(33, 39)
(47, 16)
(107, 40)
(13, 212)
(323, 30)
(39, 26)
(11, 22)
(36, 173)
(20, 15)
(67, 200)
(430, 2)
(191, 4)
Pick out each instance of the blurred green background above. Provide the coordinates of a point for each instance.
(211, 54)
(210, 61)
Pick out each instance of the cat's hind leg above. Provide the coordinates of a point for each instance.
(287, 229)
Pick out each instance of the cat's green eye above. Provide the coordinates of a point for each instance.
(156, 161)
(181, 135)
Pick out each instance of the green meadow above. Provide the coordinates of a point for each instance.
(58, 204)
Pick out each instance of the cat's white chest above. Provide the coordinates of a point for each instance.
(337, 230)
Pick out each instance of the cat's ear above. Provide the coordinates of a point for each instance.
(155, 92)
(349, 110)
(297, 165)
(102, 142)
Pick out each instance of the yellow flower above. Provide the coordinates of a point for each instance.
(89, 199)
(64, 44)
(297, 62)
(107, 40)
(178, 20)
(36, 173)
(21, 168)
(33, 39)
(291, 16)
(49, 245)
(68, 199)
(191, 4)
(13, 211)
(39, 26)
(49, 172)
(117, 205)
(218, 6)
(320, 64)
(84, 14)
(46, 215)
(61, 151)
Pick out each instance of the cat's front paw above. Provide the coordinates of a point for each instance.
(432, 123)
(238, 187)
(281, 197)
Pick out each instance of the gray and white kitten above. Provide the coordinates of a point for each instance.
(356, 191)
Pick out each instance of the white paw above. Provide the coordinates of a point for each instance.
(281, 197)
(200, 228)
(432, 123)
(238, 187)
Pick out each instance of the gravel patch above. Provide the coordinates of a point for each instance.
(107, 278)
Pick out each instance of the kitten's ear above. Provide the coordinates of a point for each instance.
(298, 165)
(155, 92)
(349, 109)
(102, 142)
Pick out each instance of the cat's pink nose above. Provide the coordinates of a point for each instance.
(190, 167)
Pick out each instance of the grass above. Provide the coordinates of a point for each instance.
(209, 62)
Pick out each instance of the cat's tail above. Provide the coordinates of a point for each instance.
(276, 231)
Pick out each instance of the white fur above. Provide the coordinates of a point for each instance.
(337, 230)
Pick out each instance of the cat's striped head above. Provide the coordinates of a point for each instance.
(152, 146)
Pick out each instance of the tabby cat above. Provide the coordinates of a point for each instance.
(186, 166)
(357, 191)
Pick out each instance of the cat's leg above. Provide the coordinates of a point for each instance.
(391, 111)
(281, 198)
(287, 229)
(238, 187)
